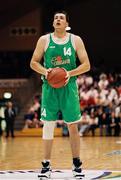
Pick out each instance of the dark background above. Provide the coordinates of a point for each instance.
(96, 21)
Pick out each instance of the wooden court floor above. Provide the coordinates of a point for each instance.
(26, 153)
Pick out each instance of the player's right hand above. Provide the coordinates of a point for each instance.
(48, 70)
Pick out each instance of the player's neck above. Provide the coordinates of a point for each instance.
(60, 34)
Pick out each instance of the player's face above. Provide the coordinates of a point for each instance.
(60, 21)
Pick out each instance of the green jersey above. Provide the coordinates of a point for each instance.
(64, 99)
(60, 55)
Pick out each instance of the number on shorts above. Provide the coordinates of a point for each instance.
(43, 112)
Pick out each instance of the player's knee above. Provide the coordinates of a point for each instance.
(48, 130)
(73, 128)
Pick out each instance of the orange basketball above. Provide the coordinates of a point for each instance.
(56, 77)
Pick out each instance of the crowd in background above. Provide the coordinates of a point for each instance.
(100, 105)
(32, 117)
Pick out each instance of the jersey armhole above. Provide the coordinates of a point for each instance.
(73, 41)
(47, 42)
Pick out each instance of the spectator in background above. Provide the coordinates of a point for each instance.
(84, 123)
(88, 80)
(99, 116)
(36, 105)
(2, 120)
(103, 93)
(118, 109)
(80, 80)
(93, 123)
(10, 115)
(113, 94)
(1, 132)
(103, 124)
(117, 126)
(110, 78)
(103, 82)
(31, 119)
(114, 126)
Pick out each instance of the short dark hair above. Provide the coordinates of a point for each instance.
(63, 12)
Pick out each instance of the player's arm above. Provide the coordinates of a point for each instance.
(37, 56)
(82, 56)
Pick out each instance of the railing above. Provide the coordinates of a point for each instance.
(12, 83)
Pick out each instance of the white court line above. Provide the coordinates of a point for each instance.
(59, 175)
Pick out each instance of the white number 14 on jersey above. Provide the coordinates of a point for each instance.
(67, 51)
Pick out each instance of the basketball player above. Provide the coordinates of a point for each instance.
(59, 49)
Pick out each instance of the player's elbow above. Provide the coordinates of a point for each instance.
(87, 66)
(32, 64)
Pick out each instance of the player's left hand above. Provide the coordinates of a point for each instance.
(67, 78)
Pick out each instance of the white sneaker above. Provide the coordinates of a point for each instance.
(45, 171)
(77, 172)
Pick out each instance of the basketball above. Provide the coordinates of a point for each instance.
(56, 77)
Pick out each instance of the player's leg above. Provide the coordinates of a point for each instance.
(75, 147)
(47, 144)
(7, 128)
(74, 139)
(71, 114)
(48, 134)
(48, 115)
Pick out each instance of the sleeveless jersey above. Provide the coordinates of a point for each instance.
(60, 55)
(65, 99)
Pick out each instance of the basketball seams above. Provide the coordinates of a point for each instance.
(56, 77)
